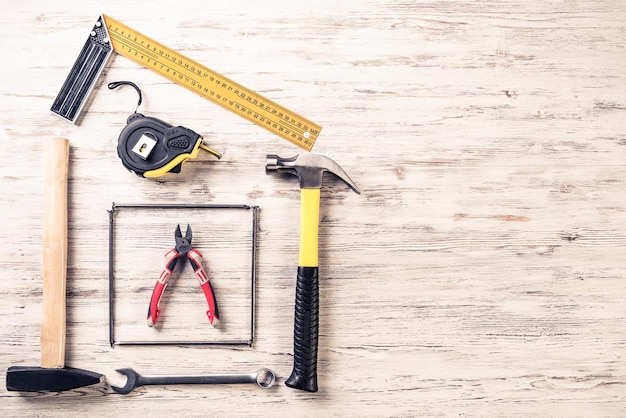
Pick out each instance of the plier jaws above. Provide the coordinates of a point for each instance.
(183, 244)
(183, 248)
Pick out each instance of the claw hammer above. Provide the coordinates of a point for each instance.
(310, 169)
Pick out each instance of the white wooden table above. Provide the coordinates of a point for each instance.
(480, 273)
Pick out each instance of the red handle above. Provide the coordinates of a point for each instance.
(195, 259)
(153, 310)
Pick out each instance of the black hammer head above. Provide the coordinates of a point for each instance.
(309, 168)
(39, 379)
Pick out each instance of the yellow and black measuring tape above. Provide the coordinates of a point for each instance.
(109, 35)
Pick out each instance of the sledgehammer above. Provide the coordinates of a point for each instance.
(310, 169)
(52, 376)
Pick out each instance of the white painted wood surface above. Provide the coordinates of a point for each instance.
(480, 273)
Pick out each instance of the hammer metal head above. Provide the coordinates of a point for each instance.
(309, 168)
(39, 379)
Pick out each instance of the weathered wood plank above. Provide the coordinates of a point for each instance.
(479, 273)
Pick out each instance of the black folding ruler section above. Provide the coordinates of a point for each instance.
(109, 35)
(84, 74)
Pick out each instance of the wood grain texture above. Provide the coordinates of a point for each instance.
(54, 252)
(481, 272)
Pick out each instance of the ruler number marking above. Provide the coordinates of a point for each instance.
(186, 72)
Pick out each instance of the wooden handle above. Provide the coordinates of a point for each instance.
(56, 154)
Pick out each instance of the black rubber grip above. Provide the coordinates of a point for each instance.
(306, 328)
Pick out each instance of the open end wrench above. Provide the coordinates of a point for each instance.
(264, 378)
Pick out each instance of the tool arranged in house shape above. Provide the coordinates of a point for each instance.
(183, 248)
(109, 35)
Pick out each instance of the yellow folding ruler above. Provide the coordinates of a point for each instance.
(110, 35)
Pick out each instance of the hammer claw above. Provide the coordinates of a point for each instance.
(309, 168)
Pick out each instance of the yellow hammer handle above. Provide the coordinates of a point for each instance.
(309, 224)
(56, 154)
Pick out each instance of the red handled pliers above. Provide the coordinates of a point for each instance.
(183, 248)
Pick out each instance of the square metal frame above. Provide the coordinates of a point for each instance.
(116, 207)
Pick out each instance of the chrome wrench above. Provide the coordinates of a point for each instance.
(264, 378)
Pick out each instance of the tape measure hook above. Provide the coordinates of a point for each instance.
(116, 84)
